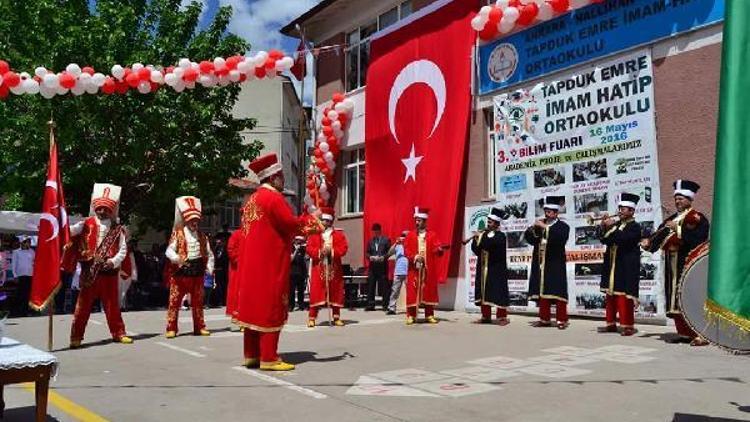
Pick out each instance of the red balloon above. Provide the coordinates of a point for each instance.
(495, 15)
(325, 121)
(528, 14)
(144, 74)
(332, 140)
(276, 54)
(122, 87)
(190, 75)
(260, 72)
(4, 67)
(127, 71)
(488, 32)
(318, 153)
(338, 97)
(132, 80)
(514, 3)
(89, 70)
(170, 69)
(109, 86)
(67, 80)
(232, 62)
(206, 67)
(270, 63)
(243, 77)
(154, 86)
(342, 118)
(4, 90)
(222, 72)
(327, 131)
(560, 6)
(11, 79)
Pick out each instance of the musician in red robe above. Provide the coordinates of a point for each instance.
(233, 253)
(268, 227)
(423, 249)
(327, 277)
(191, 258)
(99, 244)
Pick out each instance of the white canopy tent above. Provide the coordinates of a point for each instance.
(18, 222)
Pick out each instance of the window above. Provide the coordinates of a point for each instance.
(354, 182)
(358, 40)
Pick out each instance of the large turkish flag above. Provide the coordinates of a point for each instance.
(416, 126)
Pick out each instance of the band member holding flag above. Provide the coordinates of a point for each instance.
(622, 265)
(190, 254)
(99, 244)
(327, 277)
(549, 280)
(677, 236)
(423, 249)
(268, 226)
(491, 285)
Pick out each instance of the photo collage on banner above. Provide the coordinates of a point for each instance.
(588, 135)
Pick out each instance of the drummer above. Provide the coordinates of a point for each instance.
(687, 229)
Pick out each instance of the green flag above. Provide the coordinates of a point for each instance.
(729, 263)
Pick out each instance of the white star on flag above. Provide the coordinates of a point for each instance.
(411, 165)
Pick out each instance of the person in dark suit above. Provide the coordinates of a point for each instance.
(491, 285)
(377, 255)
(549, 277)
(298, 274)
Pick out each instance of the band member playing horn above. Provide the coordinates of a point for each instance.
(423, 250)
(191, 259)
(327, 276)
(677, 236)
(99, 244)
(491, 285)
(622, 264)
(549, 282)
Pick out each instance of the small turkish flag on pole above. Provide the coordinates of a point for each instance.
(54, 234)
(299, 70)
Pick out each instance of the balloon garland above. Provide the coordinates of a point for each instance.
(507, 15)
(334, 126)
(145, 79)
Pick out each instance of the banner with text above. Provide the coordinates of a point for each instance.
(588, 136)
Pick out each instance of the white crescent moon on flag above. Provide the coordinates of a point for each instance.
(52, 220)
(419, 71)
(51, 184)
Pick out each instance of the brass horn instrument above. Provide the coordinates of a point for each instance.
(591, 220)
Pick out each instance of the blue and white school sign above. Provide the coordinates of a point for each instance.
(586, 34)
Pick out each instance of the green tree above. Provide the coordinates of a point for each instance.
(156, 146)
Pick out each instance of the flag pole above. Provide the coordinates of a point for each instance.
(50, 305)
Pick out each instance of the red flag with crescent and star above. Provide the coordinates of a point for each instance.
(54, 234)
(418, 103)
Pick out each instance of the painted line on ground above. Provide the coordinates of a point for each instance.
(306, 391)
(75, 410)
(95, 322)
(180, 349)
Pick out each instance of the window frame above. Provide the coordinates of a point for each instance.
(359, 165)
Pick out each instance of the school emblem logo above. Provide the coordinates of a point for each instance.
(502, 62)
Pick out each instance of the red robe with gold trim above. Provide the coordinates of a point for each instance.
(429, 288)
(269, 226)
(340, 246)
(233, 253)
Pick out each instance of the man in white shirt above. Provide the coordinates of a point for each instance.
(99, 245)
(22, 267)
(189, 252)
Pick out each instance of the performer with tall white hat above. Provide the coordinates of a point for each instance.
(99, 244)
(191, 258)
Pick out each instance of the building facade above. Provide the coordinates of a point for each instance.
(685, 67)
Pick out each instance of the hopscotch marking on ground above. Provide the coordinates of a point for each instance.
(286, 384)
(562, 362)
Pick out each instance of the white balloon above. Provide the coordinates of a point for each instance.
(340, 108)
(338, 133)
(323, 188)
(511, 13)
(178, 71)
(73, 69)
(85, 78)
(47, 92)
(61, 91)
(220, 63)
(287, 62)
(476, 23)
(78, 89)
(324, 147)
(195, 66)
(260, 58)
(328, 156)
(40, 71)
(157, 77)
(118, 71)
(280, 65)
(502, 4)
(92, 88)
(546, 12)
(179, 86)
(505, 25)
(224, 81)
(234, 75)
(137, 66)
(207, 80)
(144, 87)
(30, 86)
(331, 165)
(171, 79)
(190, 85)
(98, 79)
(325, 195)
(333, 115)
(245, 66)
(51, 80)
(540, 3)
(336, 125)
(485, 11)
(184, 63)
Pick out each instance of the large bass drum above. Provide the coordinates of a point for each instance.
(692, 297)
